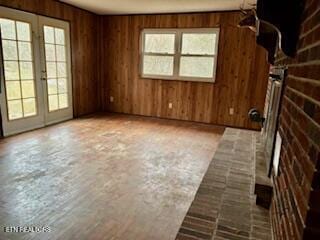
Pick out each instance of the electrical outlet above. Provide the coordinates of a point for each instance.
(111, 99)
(170, 105)
(231, 111)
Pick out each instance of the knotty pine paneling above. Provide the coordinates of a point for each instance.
(83, 48)
(241, 72)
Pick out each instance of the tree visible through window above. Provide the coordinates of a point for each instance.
(179, 54)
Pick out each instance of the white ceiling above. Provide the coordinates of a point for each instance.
(158, 6)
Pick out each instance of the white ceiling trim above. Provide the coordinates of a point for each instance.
(118, 7)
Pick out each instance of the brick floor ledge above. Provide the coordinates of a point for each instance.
(224, 205)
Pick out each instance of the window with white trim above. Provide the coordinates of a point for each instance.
(179, 54)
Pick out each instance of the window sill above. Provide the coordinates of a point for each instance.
(181, 79)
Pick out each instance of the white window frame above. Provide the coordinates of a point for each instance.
(177, 53)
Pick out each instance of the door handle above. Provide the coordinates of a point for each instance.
(44, 75)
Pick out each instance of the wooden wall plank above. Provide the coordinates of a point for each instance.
(83, 27)
(241, 81)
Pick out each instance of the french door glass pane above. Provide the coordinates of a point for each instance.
(18, 68)
(8, 29)
(29, 106)
(61, 55)
(23, 31)
(50, 52)
(27, 89)
(13, 90)
(10, 70)
(53, 102)
(52, 86)
(24, 51)
(63, 100)
(48, 34)
(59, 36)
(10, 50)
(15, 109)
(62, 69)
(56, 65)
(26, 70)
(62, 85)
(51, 69)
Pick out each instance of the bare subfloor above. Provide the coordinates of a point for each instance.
(104, 177)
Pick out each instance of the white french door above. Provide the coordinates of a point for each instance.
(22, 107)
(36, 85)
(56, 69)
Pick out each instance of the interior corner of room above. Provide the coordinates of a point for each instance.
(151, 119)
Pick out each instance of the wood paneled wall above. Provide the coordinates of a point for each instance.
(83, 48)
(241, 72)
(105, 62)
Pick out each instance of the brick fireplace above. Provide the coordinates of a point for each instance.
(295, 209)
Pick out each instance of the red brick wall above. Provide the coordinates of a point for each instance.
(295, 210)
